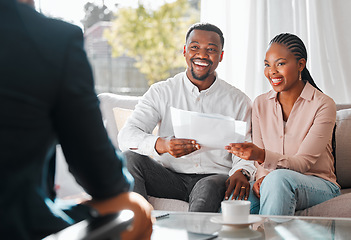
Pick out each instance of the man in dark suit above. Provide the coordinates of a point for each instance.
(47, 97)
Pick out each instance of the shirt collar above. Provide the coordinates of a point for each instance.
(193, 89)
(307, 92)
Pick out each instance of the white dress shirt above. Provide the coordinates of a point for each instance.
(179, 92)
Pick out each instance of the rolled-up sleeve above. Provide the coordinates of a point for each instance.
(136, 134)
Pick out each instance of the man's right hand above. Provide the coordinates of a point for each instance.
(177, 147)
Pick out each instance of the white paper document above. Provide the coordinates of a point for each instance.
(212, 131)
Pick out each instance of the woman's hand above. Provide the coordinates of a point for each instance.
(256, 187)
(247, 151)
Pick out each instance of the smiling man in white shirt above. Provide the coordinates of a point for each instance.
(167, 167)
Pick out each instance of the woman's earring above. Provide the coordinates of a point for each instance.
(300, 78)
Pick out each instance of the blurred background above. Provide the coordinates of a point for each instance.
(134, 43)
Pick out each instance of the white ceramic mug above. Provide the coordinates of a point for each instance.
(235, 211)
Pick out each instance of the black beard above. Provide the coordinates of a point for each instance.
(200, 78)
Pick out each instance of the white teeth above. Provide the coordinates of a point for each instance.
(276, 80)
(201, 64)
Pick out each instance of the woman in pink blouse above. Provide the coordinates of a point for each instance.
(292, 128)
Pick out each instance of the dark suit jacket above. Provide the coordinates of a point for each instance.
(47, 97)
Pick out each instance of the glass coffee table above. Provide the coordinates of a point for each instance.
(197, 226)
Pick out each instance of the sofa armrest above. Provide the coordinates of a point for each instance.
(343, 149)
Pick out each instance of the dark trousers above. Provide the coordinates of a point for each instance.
(204, 192)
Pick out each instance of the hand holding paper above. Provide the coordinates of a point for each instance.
(211, 131)
(247, 151)
(177, 147)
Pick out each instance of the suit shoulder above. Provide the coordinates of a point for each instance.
(52, 38)
(47, 29)
(61, 27)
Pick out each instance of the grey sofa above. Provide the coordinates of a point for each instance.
(120, 106)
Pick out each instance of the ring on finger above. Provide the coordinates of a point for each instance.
(243, 187)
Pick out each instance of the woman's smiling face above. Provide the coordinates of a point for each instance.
(281, 68)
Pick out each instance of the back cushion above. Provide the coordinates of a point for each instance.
(109, 101)
(121, 116)
(343, 147)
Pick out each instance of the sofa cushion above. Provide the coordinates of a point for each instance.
(167, 204)
(343, 147)
(342, 106)
(108, 101)
(121, 115)
(336, 207)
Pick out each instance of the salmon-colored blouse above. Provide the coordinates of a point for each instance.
(303, 143)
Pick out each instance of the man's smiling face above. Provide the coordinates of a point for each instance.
(203, 52)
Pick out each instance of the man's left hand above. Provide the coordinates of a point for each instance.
(238, 185)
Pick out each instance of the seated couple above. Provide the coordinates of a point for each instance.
(289, 163)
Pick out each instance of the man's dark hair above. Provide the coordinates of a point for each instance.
(206, 27)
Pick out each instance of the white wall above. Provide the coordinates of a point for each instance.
(249, 25)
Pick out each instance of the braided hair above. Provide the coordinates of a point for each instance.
(297, 47)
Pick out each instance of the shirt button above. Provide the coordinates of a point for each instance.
(198, 99)
(281, 137)
(196, 165)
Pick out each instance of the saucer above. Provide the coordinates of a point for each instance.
(252, 219)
